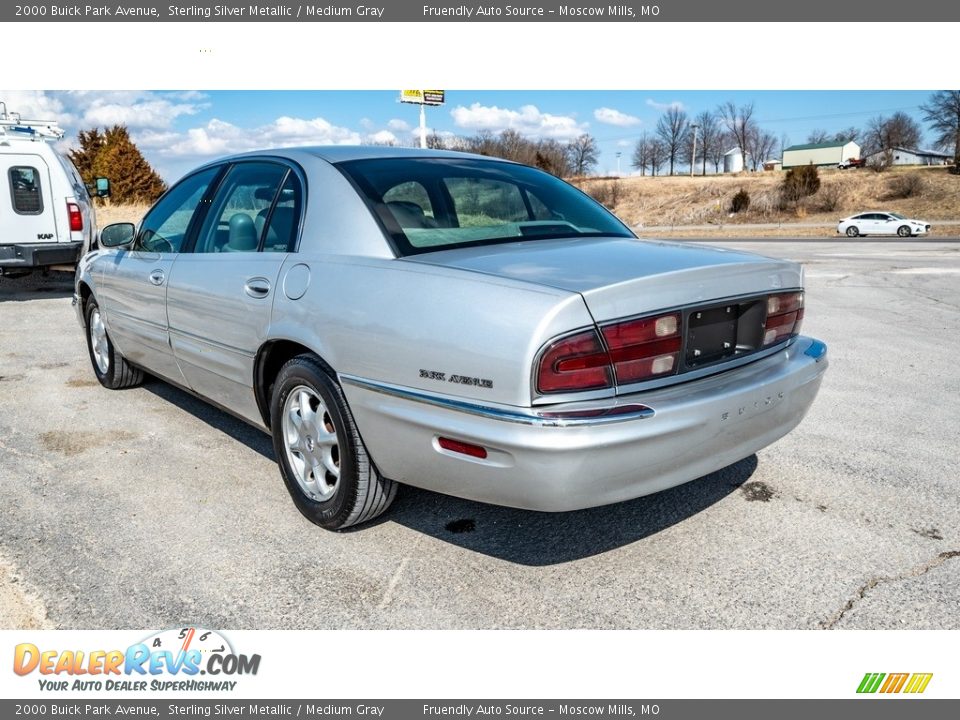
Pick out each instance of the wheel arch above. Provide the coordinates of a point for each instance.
(272, 356)
(85, 292)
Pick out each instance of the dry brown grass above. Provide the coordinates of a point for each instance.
(108, 213)
(682, 200)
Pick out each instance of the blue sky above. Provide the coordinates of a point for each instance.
(177, 130)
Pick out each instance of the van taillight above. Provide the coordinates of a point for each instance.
(645, 348)
(577, 362)
(784, 316)
(76, 217)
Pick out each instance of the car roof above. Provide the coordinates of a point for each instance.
(344, 153)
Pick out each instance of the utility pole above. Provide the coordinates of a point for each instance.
(618, 162)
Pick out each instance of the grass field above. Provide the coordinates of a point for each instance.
(934, 194)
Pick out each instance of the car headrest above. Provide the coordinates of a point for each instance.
(242, 235)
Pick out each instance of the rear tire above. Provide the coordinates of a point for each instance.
(322, 458)
(853, 231)
(110, 367)
(904, 231)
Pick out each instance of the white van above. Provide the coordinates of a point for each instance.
(46, 215)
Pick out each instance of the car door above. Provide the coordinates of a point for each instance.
(220, 293)
(886, 224)
(132, 290)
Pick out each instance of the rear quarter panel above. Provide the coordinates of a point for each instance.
(387, 320)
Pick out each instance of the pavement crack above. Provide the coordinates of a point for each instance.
(919, 570)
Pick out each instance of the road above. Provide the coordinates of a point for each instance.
(147, 508)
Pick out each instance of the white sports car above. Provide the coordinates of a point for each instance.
(882, 223)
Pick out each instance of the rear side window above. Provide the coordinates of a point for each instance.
(25, 190)
(254, 208)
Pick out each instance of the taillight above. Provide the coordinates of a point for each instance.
(76, 217)
(577, 362)
(645, 348)
(784, 316)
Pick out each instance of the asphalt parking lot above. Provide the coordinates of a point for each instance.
(147, 508)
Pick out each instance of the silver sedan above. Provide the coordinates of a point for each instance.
(462, 324)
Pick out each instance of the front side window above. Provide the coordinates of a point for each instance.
(25, 190)
(241, 210)
(428, 204)
(165, 227)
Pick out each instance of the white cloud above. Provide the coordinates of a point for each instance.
(398, 125)
(36, 105)
(77, 110)
(218, 137)
(624, 143)
(663, 107)
(528, 120)
(609, 116)
(383, 137)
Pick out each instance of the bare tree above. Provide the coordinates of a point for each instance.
(710, 136)
(657, 155)
(762, 147)
(719, 149)
(583, 154)
(884, 133)
(739, 123)
(818, 136)
(850, 134)
(436, 141)
(641, 154)
(672, 131)
(942, 113)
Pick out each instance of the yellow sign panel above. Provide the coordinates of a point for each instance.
(422, 97)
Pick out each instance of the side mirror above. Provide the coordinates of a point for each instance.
(117, 235)
(103, 187)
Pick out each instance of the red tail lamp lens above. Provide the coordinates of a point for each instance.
(76, 218)
(578, 362)
(784, 317)
(645, 348)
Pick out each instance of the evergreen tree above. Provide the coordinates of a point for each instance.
(112, 154)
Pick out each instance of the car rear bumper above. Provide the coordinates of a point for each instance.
(539, 463)
(26, 256)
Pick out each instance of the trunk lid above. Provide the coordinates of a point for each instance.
(621, 277)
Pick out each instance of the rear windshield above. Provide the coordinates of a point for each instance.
(429, 204)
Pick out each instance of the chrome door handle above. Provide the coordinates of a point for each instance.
(257, 287)
(156, 277)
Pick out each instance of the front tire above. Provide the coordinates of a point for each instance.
(904, 231)
(110, 367)
(322, 458)
(853, 231)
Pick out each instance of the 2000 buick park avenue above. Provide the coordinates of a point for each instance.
(461, 324)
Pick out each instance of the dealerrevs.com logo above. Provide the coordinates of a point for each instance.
(168, 660)
(910, 683)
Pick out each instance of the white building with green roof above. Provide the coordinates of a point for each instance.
(820, 154)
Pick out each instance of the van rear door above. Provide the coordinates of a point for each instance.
(28, 213)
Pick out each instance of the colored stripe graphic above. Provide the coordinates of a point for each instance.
(870, 682)
(894, 682)
(918, 683)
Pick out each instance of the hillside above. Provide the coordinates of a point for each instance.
(926, 193)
